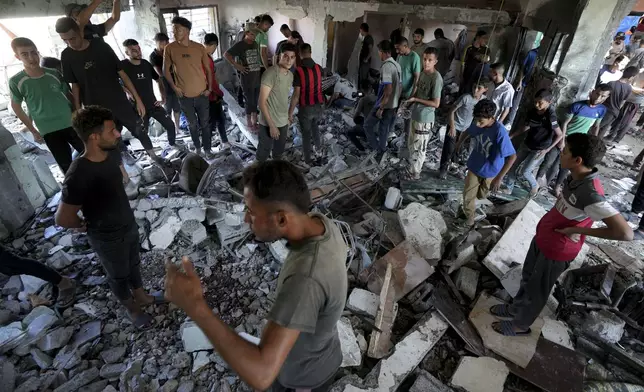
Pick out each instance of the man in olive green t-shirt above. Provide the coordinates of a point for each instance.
(265, 23)
(273, 105)
(47, 99)
(299, 348)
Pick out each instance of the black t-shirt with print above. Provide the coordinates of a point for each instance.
(142, 76)
(542, 126)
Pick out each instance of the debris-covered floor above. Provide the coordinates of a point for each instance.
(420, 284)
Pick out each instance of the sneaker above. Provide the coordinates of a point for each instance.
(209, 154)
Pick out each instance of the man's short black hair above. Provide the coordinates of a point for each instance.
(181, 21)
(364, 27)
(130, 42)
(420, 32)
(498, 67)
(485, 108)
(480, 33)
(284, 27)
(482, 82)
(305, 48)
(439, 33)
(211, 39)
(544, 95)
(630, 72)
(161, 37)
(90, 120)
(431, 50)
(50, 62)
(66, 24)
(402, 41)
(619, 59)
(604, 87)
(297, 35)
(278, 182)
(288, 47)
(385, 46)
(267, 18)
(21, 42)
(589, 148)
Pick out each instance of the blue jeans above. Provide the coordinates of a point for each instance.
(530, 159)
(377, 129)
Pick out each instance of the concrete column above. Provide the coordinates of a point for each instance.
(597, 25)
(148, 22)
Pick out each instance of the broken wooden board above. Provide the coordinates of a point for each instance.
(409, 270)
(518, 349)
(455, 316)
(553, 368)
(380, 342)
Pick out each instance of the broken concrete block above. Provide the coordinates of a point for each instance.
(557, 332)
(279, 250)
(464, 256)
(139, 215)
(482, 374)
(213, 216)
(163, 235)
(380, 342)
(77, 382)
(41, 359)
(424, 229)
(515, 242)
(151, 215)
(87, 332)
(11, 336)
(193, 338)
(39, 326)
(60, 260)
(409, 270)
(13, 286)
(351, 354)
(192, 213)
(112, 371)
(425, 382)
(35, 313)
(363, 302)
(65, 241)
(144, 205)
(194, 231)
(31, 284)
(55, 339)
(200, 359)
(604, 325)
(466, 280)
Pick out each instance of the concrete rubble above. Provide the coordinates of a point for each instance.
(480, 374)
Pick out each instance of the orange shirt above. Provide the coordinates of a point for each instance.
(187, 65)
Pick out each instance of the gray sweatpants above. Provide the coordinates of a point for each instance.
(539, 277)
(267, 143)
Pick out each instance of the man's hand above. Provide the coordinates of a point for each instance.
(570, 232)
(183, 289)
(179, 92)
(206, 92)
(541, 153)
(140, 108)
(37, 137)
(241, 68)
(379, 112)
(275, 133)
(561, 144)
(159, 103)
(291, 120)
(452, 132)
(495, 185)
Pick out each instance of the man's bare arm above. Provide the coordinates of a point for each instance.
(8, 32)
(205, 62)
(386, 94)
(616, 229)
(264, 52)
(116, 16)
(86, 14)
(294, 100)
(167, 66)
(23, 117)
(413, 89)
(67, 216)
(504, 114)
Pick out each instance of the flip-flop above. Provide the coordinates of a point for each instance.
(506, 328)
(66, 297)
(501, 311)
(142, 322)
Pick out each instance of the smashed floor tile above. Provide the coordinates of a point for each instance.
(60, 260)
(424, 229)
(31, 284)
(462, 258)
(194, 231)
(482, 374)
(425, 382)
(409, 270)
(192, 213)
(193, 338)
(363, 302)
(162, 236)
(557, 331)
(518, 349)
(41, 359)
(11, 336)
(55, 339)
(78, 381)
(200, 359)
(380, 342)
(467, 280)
(351, 353)
(87, 332)
(604, 325)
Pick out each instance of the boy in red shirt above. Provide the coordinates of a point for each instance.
(561, 234)
(217, 116)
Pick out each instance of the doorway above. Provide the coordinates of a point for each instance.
(204, 20)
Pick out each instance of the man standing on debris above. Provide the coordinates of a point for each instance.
(419, 46)
(620, 91)
(382, 117)
(265, 23)
(446, 51)
(249, 66)
(307, 93)
(299, 349)
(543, 136)
(273, 105)
(11, 264)
(561, 234)
(365, 55)
(425, 101)
(47, 97)
(217, 116)
(460, 118)
(363, 108)
(184, 65)
(500, 91)
(491, 159)
(473, 56)
(156, 59)
(141, 73)
(94, 184)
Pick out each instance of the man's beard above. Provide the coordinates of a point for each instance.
(109, 148)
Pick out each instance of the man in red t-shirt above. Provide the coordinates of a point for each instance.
(217, 116)
(561, 233)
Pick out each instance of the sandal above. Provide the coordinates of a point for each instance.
(506, 328)
(66, 297)
(142, 322)
(501, 311)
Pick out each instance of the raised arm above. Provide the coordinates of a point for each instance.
(86, 14)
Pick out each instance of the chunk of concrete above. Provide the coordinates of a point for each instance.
(114, 354)
(60, 260)
(464, 256)
(87, 333)
(604, 325)
(39, 326)
(35, 313)
(199, 360)
(557, 332)
(380, 342)
(41, 359)
(466, 280)
(13, 286)
(425, 382)
(163, 235)
(112, 371)
(351, 354)
(194, 231)
(55, 339)
(193, 338)
(31, 284)
(363, 302)
(151, 215)
(482, 374)
(65, 240)
(192, 213)
(77, 382)
(409, 270)
(424, 229)
(11, 336)
(144, 205)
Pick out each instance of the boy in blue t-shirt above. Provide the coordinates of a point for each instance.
(490, 160)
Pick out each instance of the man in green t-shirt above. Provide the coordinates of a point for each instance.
(424, 103)
(410, 68)
(265, 23)
(273, 105)
(48, 103)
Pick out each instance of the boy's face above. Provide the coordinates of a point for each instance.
(287, 59)
(567, 160)
(541, 104)
(264, 26)
(483, 122)
(250, 36)
(28, 55)
(598, 97)
(479, 90)
(161, 45)
(210, 49)
(180, 32)
(429, 61)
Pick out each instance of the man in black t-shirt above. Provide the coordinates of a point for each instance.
(94, 184)
(365, 56)
(141, 73)
(171, 105)
(83, 12)
(543, 135)
(94, 71)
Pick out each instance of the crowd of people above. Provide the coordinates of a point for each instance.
(86, 102)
